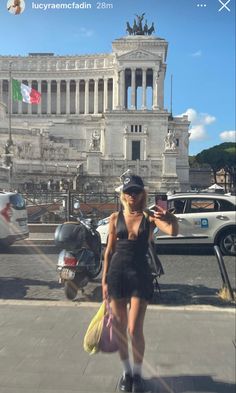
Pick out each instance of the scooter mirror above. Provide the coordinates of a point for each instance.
(76, 205)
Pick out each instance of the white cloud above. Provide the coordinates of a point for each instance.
(86, 32)
(197, 133)
(208, 119)
(83, 32)
(199, 123)
(228, 136)
(198, 53)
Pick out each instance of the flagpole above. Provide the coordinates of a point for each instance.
(171, 93)
(10, 141)
(10, 104)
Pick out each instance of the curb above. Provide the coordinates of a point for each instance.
(32, 242)
(64, 303)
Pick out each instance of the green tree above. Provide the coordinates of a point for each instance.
(193, 162)
(220, 157)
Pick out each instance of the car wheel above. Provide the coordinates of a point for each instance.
(227, 242)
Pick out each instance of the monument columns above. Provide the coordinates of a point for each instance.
(30, 105)
(118, 90)
(86, 99)
(19, 104)
(77, 97)
(122, 89)
(144, 88)
(105, 102)
(114, 92)
(49, 101)
(96, 96)
(154, 89)
(133, 89)
(58, 97)
(160, 90)
(40, 103)
(68, 97)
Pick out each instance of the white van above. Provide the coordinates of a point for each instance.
(13, 218)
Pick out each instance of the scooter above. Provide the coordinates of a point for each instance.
(80, 258)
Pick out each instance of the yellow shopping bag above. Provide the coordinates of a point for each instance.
(94, 331)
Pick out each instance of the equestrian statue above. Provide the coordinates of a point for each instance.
(138, 28)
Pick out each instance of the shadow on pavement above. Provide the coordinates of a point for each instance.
(188, 383)
(183, 295)
(17, 288)
(161, 249)
(29, 250)
(172, 295)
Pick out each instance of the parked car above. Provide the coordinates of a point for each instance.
(13, 218)
(204, 218)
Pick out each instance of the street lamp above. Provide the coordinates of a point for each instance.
(8, 160)
(8, 146)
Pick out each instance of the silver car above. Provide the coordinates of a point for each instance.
(13, 218)
(204, 218)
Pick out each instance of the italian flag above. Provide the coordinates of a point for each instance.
(21, 92)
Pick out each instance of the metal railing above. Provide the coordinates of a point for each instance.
(62, 205)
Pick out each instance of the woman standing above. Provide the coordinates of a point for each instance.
(127, 277)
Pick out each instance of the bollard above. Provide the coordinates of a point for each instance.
(223, 272)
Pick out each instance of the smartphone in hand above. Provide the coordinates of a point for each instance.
(150, 212)
(161, 201)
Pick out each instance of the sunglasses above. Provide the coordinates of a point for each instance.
(133, 191)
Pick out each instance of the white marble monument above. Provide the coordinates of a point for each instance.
(117, 98)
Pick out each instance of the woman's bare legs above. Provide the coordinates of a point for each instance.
(135, 327)
(119, 311)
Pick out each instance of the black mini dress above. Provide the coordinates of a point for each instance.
(129, 273)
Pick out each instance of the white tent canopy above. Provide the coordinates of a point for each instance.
(215, 187)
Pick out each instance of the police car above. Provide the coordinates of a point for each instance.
(204, 218)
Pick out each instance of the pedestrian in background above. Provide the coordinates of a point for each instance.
(127, 277)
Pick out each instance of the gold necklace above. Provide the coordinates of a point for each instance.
(135, 212)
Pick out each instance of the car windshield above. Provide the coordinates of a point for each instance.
(17, 201)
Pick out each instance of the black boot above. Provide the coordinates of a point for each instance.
(138, 384)
(126, 382)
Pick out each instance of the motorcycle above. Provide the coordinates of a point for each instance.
(80, 258)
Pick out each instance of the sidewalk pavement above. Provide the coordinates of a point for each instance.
(188, 349)
(44, 238)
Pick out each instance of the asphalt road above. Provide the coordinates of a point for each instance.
(192, 277)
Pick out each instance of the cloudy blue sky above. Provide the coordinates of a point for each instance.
(201, 54)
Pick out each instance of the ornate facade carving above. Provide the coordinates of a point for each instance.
(95, 141)
(170, 141)
(138, 28)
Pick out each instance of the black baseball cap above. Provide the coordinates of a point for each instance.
(133, 182)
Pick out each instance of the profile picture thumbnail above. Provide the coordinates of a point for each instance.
(16, 7)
